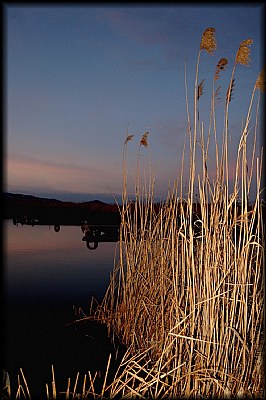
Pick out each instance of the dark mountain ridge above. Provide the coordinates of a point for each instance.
(17, 205)
(49, 211)
(30, 199)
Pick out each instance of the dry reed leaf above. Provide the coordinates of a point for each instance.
(144, 140)
(20, 388)
(200, 89)
(242, 56)
(196, 339)
(220, 67)
(106, 373)
(84, 387)
(76, 382)
(47, 391)
(68, 389)
(26, 385)
(227, 393)
(241, 393)
(239, 337)
(129, 137)
(230, 91)
(260, 83)
(208, 41)
(217, 93)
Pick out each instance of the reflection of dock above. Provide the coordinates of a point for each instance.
(34, 221)
(94, 234)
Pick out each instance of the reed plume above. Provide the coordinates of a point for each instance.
(144, 140)
(243, 54)
(260, 83)
(208, 41)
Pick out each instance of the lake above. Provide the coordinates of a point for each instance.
(45, 274)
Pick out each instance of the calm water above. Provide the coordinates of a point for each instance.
(46, 273)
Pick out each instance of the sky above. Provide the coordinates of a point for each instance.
(80, 77)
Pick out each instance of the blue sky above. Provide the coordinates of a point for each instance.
(77, 76)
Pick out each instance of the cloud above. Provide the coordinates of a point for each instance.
(162, 30)
(52, 175)
(153, 25)
(132, 24)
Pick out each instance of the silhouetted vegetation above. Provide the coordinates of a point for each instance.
(55, 212)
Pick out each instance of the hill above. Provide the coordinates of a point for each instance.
(52, 211)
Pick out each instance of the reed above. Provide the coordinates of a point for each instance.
(186, 296)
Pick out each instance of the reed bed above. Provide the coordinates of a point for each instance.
(186, 296)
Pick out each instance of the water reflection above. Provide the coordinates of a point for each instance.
(48, 274)
(93, 234)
